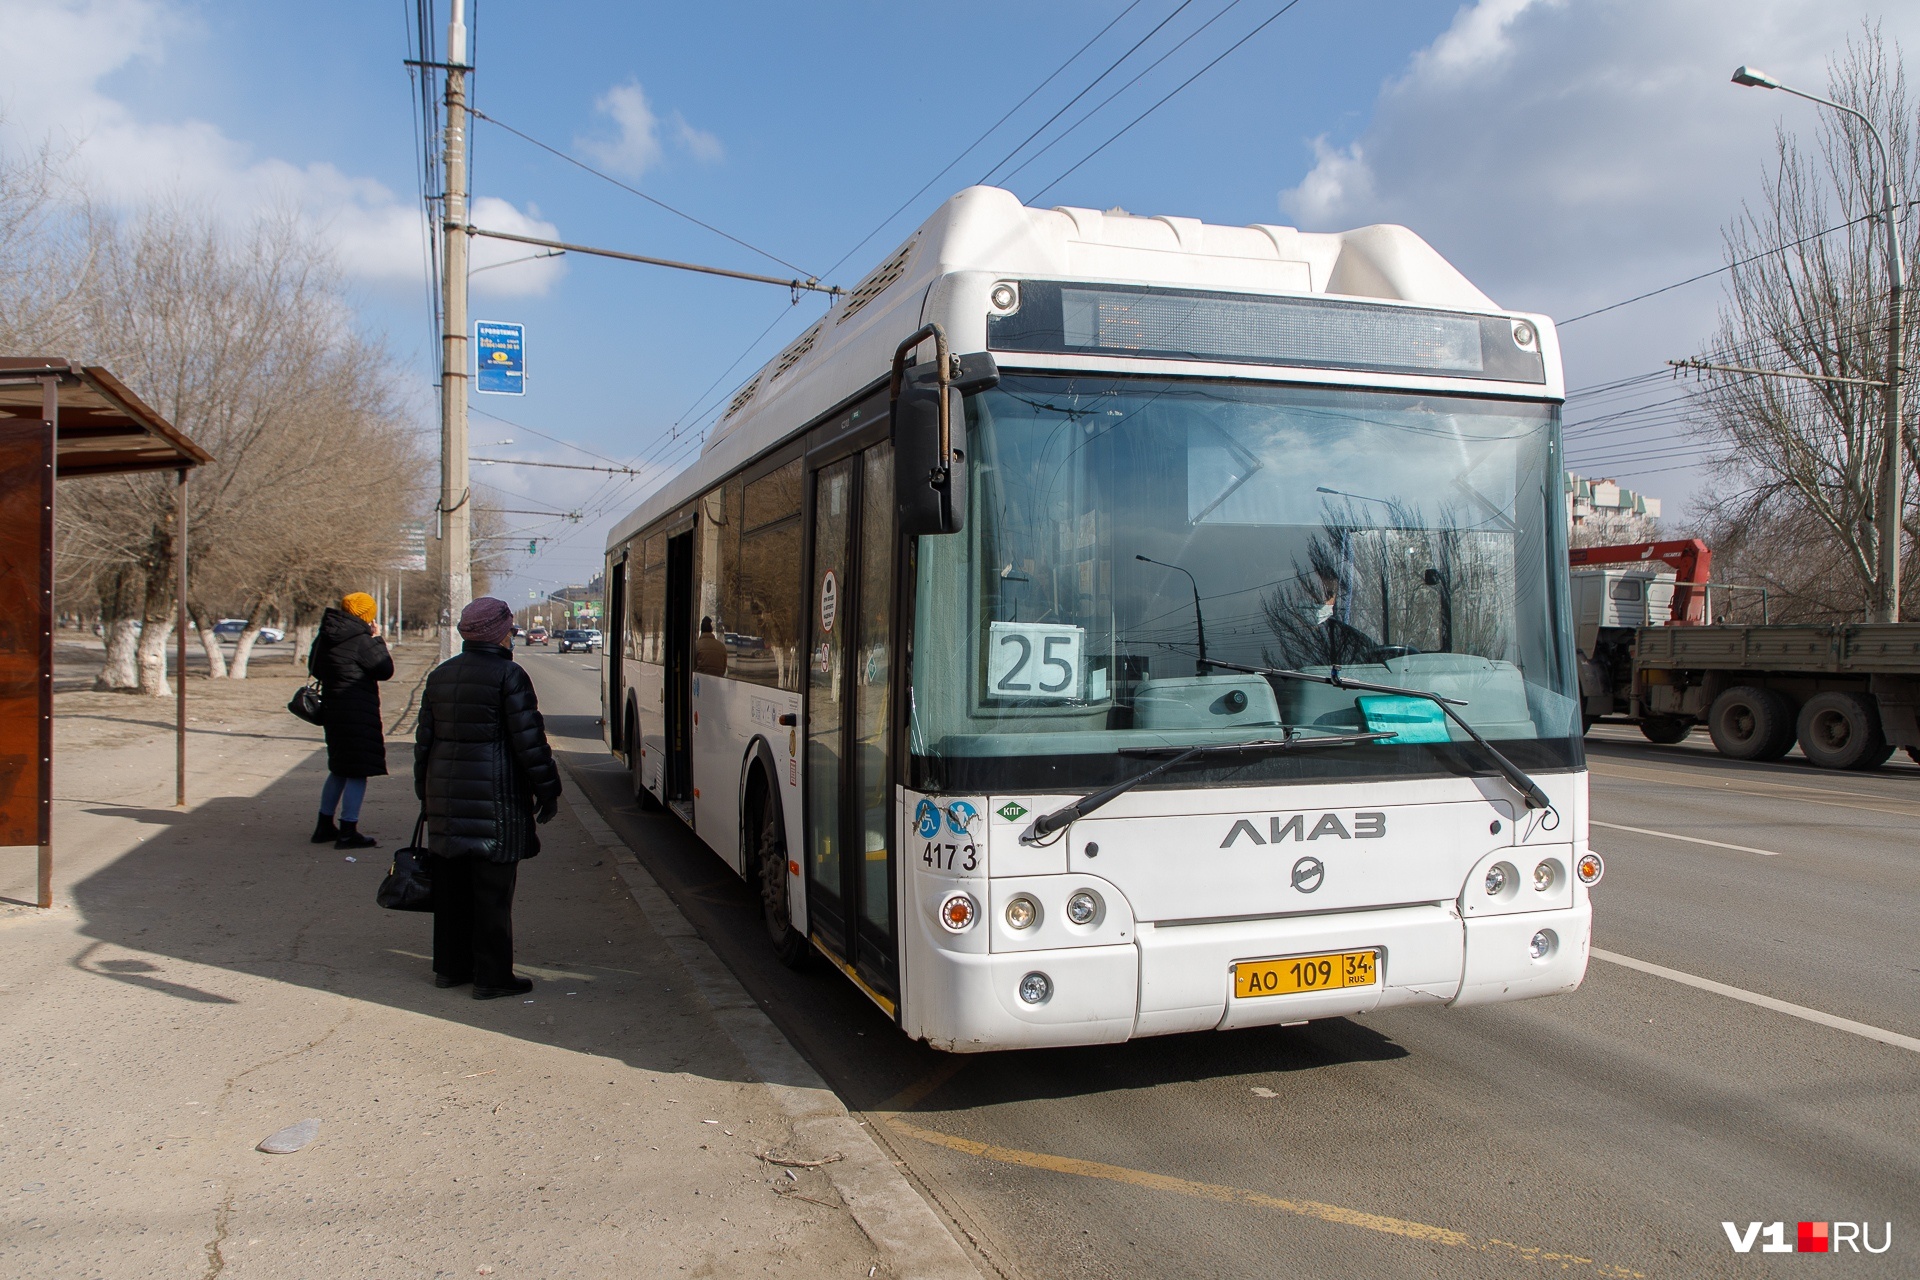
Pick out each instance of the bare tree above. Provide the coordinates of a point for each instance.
(1796, 498)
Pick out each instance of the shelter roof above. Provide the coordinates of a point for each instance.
(103, 429)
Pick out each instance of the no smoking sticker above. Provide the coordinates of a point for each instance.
(829, 601)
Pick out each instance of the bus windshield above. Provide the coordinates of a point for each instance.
(1118, 526)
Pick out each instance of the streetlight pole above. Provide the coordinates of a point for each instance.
(456, 509)
(1200, 667)
(1893, 460)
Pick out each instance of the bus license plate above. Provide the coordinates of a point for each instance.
(1304, 973)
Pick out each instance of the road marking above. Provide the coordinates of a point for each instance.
(1668, 835)
(1806, 795)
(1893, 1038)
(1236, 1195)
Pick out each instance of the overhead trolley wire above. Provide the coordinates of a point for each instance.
(632, 190)
(1283, 9)
(1066, 133)
(1111, 68)
(991, 129)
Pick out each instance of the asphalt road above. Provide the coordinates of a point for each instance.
(1609, 1132)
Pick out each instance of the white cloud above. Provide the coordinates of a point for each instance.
(128, 161)
(1567, 156)
(638, 146)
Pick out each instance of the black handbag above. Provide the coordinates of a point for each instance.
(408, 887)
(306, 703)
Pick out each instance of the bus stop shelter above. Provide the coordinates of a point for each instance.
(60, 420)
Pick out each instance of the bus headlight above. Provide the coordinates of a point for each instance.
(1022, 912)
(1082, 907)
(1591, 868)
(1035, 988)
(1496, 880)
(1542, 944)
(1544, 875)
(957, 912)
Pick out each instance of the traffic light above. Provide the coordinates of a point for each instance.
(533, 545)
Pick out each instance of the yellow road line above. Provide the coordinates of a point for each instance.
(1236, 1195)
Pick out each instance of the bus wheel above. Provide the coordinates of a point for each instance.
(769, 849)
(1751, 723)
(1842, 731)
(1665, 730)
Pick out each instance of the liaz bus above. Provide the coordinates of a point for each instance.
(1100, 626)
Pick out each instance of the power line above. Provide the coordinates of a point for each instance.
(631, 190)
(811, 284)
(1111, 68)
(1163, 102)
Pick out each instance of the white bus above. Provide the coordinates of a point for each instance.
(1206, 664)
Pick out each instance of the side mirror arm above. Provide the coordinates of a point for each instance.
(943, 367)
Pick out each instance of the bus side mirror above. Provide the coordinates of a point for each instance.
(930, 434)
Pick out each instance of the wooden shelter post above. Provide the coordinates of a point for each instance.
(50, 429)
(180, 629)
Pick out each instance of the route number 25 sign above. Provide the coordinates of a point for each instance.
(1035, 660)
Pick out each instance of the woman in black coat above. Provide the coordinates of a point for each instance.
(485, 775)
(350, 660)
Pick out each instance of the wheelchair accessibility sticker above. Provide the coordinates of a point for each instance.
(926, 819)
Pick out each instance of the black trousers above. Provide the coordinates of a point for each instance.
(473, 919)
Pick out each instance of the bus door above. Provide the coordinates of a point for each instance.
(678, 783)
(849, 783)
(613, 649)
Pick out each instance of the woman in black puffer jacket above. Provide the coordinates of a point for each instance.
(485, 775)
(350, 660)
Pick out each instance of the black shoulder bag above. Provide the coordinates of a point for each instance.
(306, 703)
(407, 886)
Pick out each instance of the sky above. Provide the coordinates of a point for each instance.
(1565, 154)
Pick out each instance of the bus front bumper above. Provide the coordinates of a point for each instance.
(1179, 978)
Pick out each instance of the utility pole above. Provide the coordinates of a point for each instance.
(456, 507)
(1893, 466)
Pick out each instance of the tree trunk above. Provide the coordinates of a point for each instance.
(155, 637)
(306, 624)
(243, 647)
(203, 623)
(121, 671)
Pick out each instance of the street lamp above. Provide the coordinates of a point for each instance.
(1200, 667)
(1893, 478)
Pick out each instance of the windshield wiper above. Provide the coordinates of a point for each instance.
(1047, 824)
(1519, 781)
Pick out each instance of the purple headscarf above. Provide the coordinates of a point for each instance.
(487, 621)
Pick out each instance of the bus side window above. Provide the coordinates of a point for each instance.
(630, 626)
(653, 601)
(763, 633)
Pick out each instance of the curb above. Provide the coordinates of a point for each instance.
(911, 1239)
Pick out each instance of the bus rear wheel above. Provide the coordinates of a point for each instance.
(641, 796)
(1748, 722)
(1842, 731)
(769, 850)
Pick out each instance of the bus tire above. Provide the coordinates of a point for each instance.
(1665, 730)
(767, 855)
(1748, 722)
(1842, 731)
(641, 796)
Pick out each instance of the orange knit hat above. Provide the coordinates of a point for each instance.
(361, 606)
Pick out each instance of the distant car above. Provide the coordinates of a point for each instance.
(599, 642)
(229, 628)
(577, 639)
(537, 636)
(272, 635)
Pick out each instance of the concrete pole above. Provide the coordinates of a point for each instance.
(456, 522)
(1893, 482)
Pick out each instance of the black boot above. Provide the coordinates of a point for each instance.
(350, 837)
(324, 830)
(519, 987)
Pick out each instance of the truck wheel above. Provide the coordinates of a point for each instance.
(1665, 730)
(1751, 723)
(1842, 731)
(767, 854)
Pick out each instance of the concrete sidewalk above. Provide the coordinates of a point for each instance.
(207, 977)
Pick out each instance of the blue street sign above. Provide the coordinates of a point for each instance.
(502, 352)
